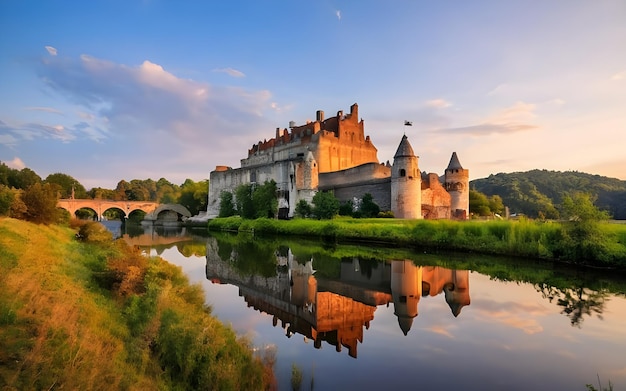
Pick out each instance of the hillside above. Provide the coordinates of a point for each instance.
(539, 192)
(96, 314)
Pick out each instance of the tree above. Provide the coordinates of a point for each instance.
(368, 207)
(167, 193)
(10, 202)
(495, 204)
(264, 200)
(227, 206)
(347, 208)
(581, 207)
(325, 205)
(478, 203)
(23, 178)
(98, 193)
(67, 184)
(194, 195)
(243, 201)
(585, 240)
(41, 203)
(303, 209)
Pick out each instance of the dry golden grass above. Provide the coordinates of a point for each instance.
(65, 338)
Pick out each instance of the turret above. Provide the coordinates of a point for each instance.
(406, 183)
(457, 184)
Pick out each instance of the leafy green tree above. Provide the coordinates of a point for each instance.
(479, 203)
(98, 193)
(194, 195)
(121, 191)
(303, 209)
(5, 172)
(66, 183)
(346, 208)
(495, 204)
(227, 206)
(41, 203)
(243, 200)
(265, 200)
(24, 178)
(11, 203)
(581, 207)
(325, 205)
(585, 240)
(368, 207)
(166, 192)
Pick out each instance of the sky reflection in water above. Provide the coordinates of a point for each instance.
(508, 337)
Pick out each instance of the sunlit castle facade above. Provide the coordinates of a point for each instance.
(333, 154)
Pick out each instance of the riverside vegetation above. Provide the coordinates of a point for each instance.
(96, 314)
(587, 242)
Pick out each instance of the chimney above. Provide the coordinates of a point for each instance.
(320, 116)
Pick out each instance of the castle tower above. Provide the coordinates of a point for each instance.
(406, 183)
(304, 177)
(457, 184)
(406, 290)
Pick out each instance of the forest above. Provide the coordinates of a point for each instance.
(540, 193)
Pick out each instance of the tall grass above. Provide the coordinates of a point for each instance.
(95, 315)
(603, 245)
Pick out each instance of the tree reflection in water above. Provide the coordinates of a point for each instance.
(577, 302)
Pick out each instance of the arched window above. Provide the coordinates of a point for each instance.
(402, 172)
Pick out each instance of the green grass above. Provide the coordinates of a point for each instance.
(600, 244)
(96, 315)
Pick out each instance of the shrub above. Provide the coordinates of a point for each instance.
(94, 232)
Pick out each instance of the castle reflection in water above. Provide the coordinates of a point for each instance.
(337, 310)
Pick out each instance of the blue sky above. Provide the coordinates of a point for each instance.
(112, 90)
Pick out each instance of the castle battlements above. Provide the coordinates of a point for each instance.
(335, 154)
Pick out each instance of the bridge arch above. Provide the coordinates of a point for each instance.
(179, 209)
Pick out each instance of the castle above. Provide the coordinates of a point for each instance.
(334, 154)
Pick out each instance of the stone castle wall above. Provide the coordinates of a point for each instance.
(334, 154)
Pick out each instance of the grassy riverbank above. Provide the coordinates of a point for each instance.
(96, 314)
(600, 244)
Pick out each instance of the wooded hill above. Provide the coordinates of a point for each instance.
(539, 193)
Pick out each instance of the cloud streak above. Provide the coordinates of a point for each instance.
(231, 72)
(513, 119)
(51, 50)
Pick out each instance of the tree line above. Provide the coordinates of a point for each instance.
(252, 201)
(25, 195)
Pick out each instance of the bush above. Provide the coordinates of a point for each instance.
(94, 232)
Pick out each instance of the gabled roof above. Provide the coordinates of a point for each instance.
(454, 163)
(404, 149)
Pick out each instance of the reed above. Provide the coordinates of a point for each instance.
(601, 244)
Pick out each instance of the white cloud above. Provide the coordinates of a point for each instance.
(51, 50)
(16, 163)
(338, 14)
(231, 72)
(438, 103)
(158, 112)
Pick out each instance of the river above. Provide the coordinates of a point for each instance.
(351, 317)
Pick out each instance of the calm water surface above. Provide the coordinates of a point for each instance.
(351, 317)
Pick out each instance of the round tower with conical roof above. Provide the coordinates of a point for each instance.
(457, 184)
(406, 183)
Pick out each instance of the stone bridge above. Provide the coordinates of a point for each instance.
(152, 209)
